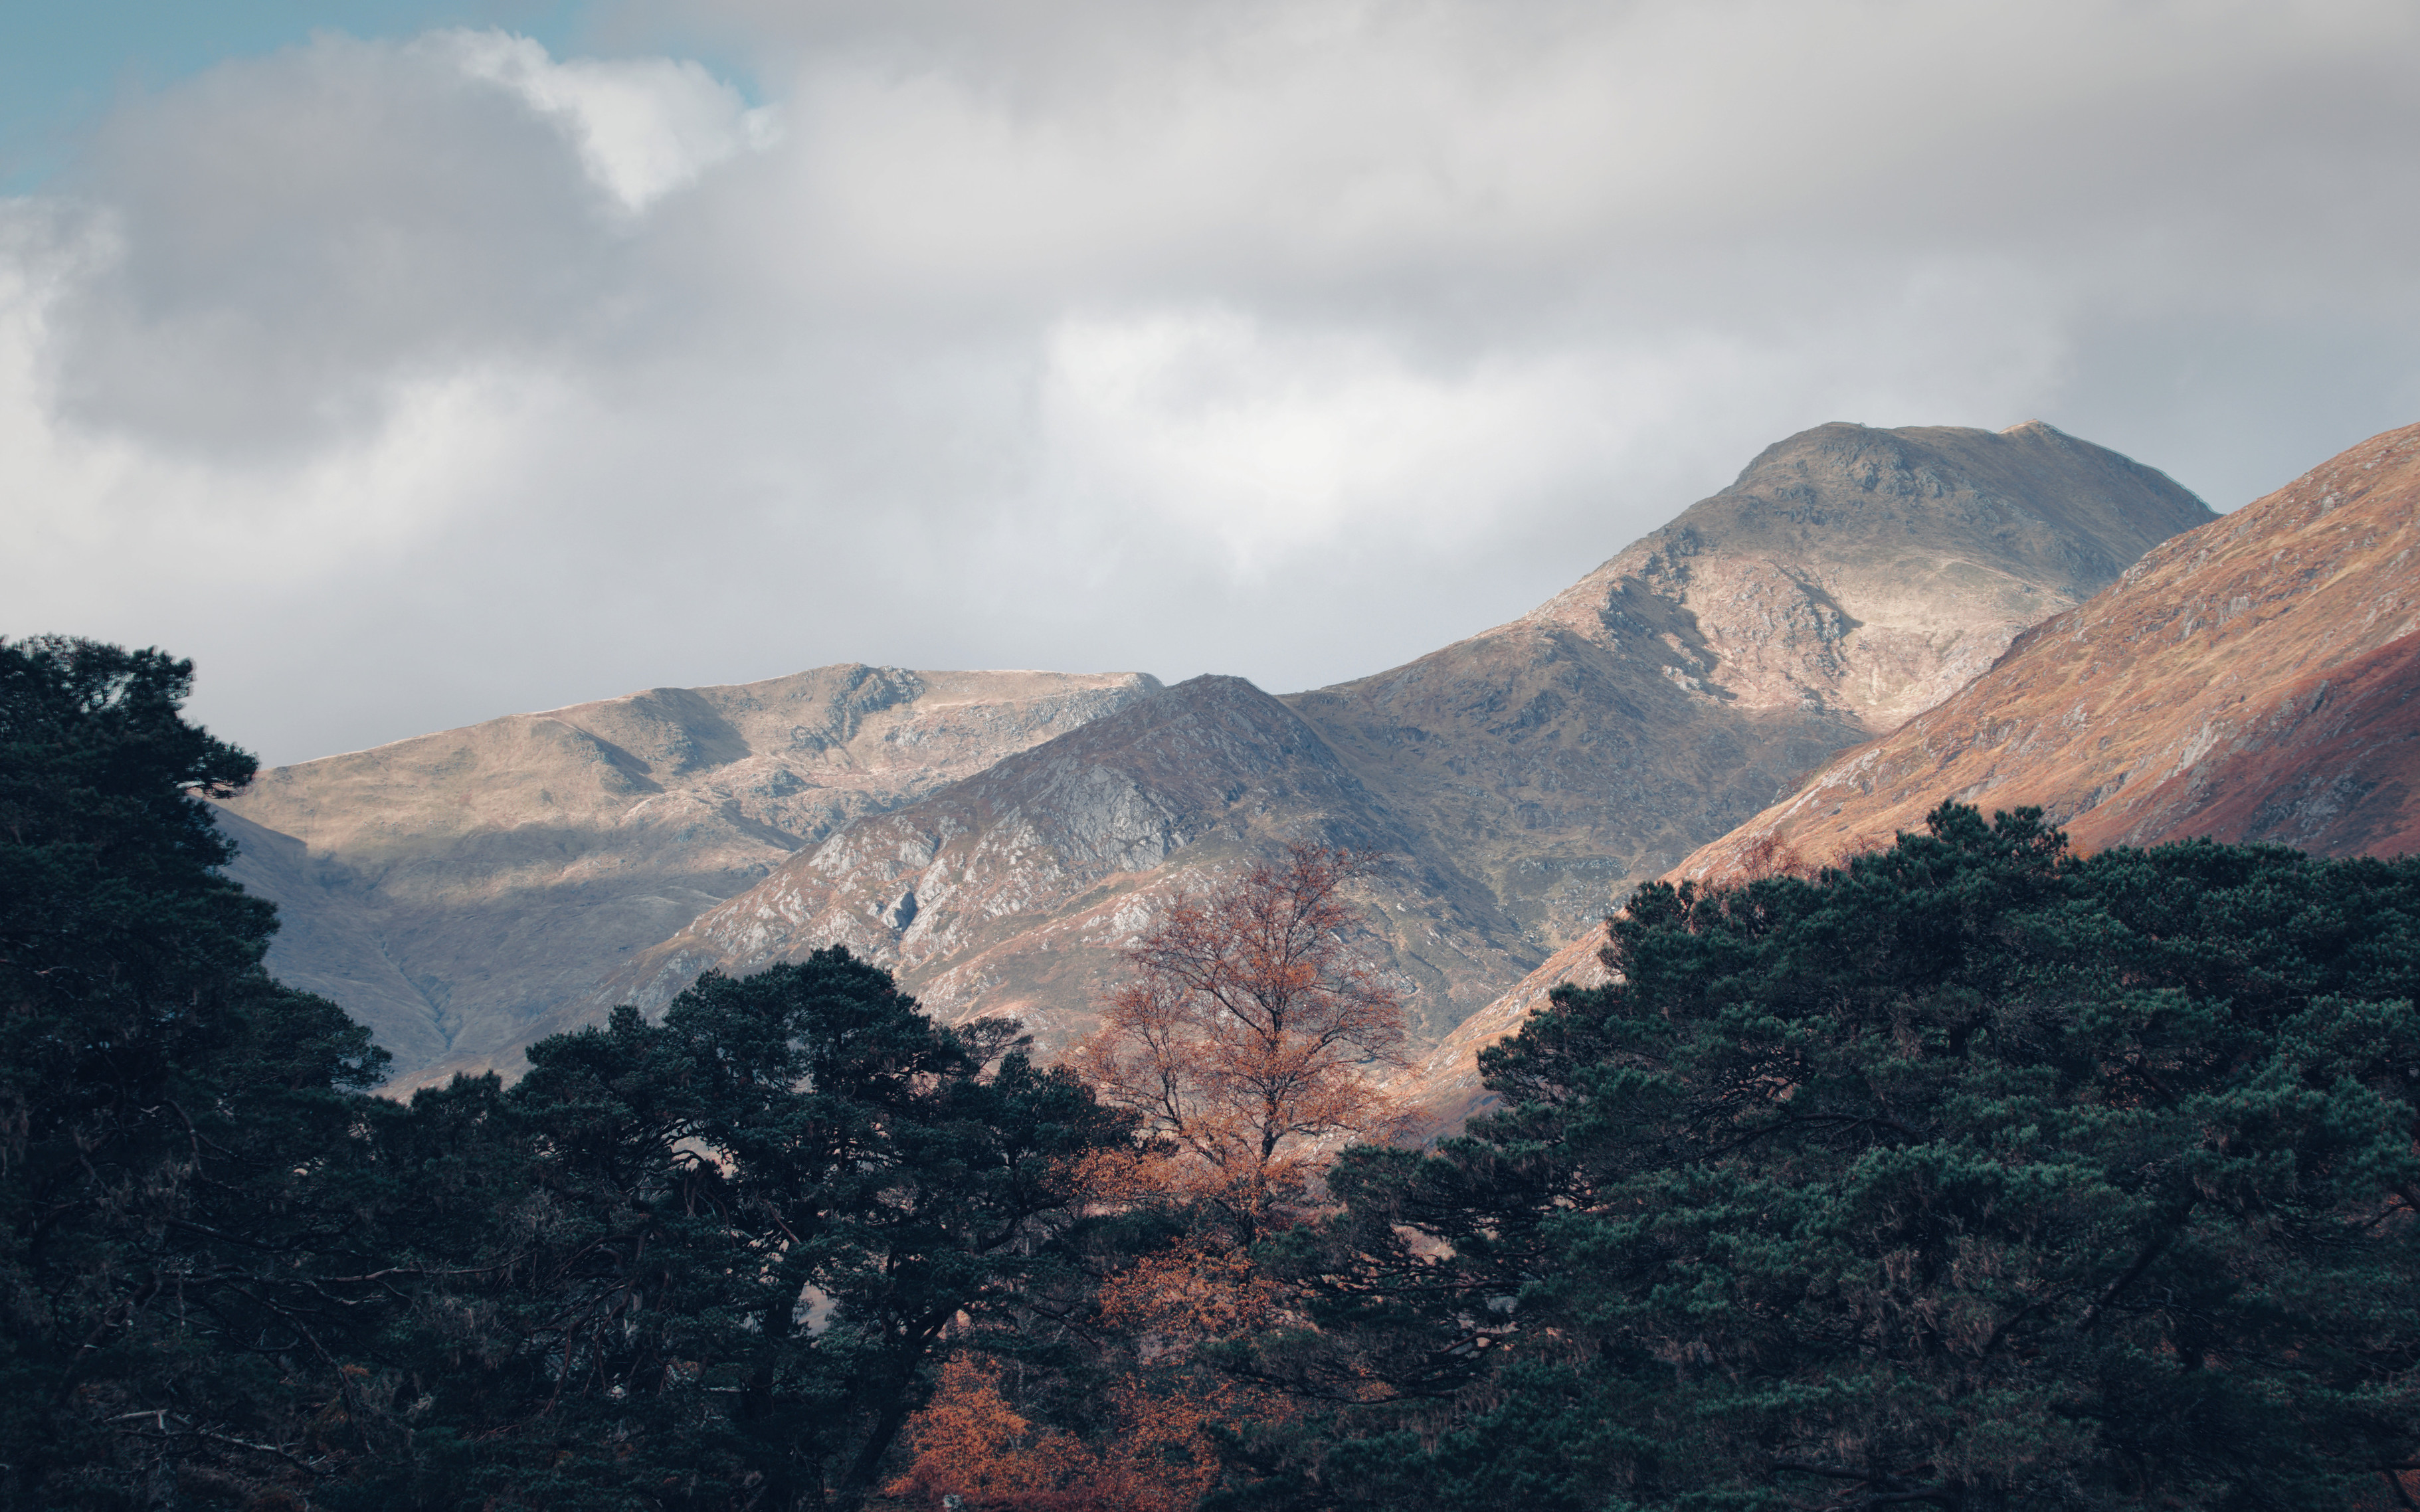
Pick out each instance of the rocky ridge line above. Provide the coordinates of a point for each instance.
(1521, 776)
(455, 889)
(2255, 679)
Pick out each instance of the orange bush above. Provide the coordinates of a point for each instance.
(968, 1442)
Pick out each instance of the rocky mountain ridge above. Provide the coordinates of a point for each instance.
(455, 889)
(2251, 681)
(1848, 577)
(1013, 892)
(997, 837)
(1518, 778)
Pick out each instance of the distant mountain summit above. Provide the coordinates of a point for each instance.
(1874, 573)
(2255, 679)
(1851, 577)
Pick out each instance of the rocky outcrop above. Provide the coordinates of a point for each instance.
(2252, 680)
(455, 890)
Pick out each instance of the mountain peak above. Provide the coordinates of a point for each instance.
(1873, 572)
(450, 888)
(2252, 679)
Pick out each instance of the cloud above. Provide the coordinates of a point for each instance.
(643, 127)
(406, 383)
(267, 257)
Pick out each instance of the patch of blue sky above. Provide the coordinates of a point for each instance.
(63, 65)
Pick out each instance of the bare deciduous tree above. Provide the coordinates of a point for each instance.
(1250, 1027)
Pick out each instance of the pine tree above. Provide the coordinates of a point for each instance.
(164, 1111)
(1972, 1175)
(704, 1262)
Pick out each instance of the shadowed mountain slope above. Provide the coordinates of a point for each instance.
(453, 889)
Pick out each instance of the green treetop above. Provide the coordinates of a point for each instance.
(1972, 1175)
(702, 1262)
(164, 1107)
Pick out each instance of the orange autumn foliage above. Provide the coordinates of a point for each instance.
(1770, 855)
(1150, 1448)
(970, 1444)
(1191, 1293)
(967, 1442)
(1244, 1040)
(1245, 1037)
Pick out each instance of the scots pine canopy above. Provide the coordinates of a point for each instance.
(696, 1263)
(701, 1263)
(1973, 1175)
(169, 1115)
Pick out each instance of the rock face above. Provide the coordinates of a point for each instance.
(1849, 578)
(455, 890)
(1520, 778)
(2252, 681)
(1013, 891)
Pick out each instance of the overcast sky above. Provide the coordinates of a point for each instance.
(451, 360)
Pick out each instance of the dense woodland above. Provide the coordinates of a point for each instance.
(1973, 1172)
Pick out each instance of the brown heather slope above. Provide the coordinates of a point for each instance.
(2252, 680)
(454, 890)
(1519, 778)
(2258, 679)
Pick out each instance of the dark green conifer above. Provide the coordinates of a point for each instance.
(695, 1263)
(711, 1254)
(165, 1111)
(1971, 1175)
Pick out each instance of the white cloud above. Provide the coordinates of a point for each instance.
(407, 383)
(1276, 447)
(645, 127)
(1270, 443)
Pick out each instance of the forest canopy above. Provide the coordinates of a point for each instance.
(697, 1263)
(1973, 1174)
